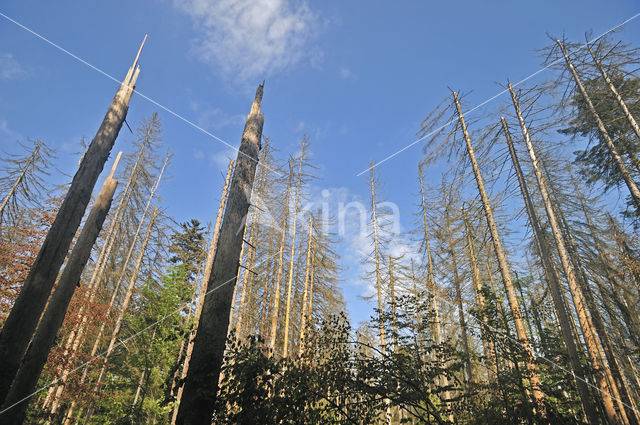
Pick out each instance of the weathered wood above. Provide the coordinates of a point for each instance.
(468, 375)
(203, 288)
(276, 291)
(555, 289)
(201, 383)
(305, 290)
(285, 348)
(436, 328)
(576, 293)
(23, 318)
(512, 298)
(487, 340)
(35, 358)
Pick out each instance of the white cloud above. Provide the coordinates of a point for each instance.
(347, 74)
(9, 67)
(198, 154)
(252, 38)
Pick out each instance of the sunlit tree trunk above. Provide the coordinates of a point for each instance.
(555, 289)
(276, 292)
(305, 293)
(23, 318)
(521, 332)
(201, 383)
(203, 288)
(577, 295)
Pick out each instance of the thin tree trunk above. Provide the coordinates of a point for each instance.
(468, 378)
(34, 360)
(23, 318)
(487, 338)
(576, 293)
(303, 317)
(392, 293)
(431, 287)
(285, 349)
(377, 261)
(98, 272)
(521, 332)
(555, 289)
(273, 333)
(626, 175)
(96, 345)
(203, 290)
(13, 189)
(612, 359)
(201, 383)
(125, 303)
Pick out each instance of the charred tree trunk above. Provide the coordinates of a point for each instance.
(23, 318)
(201, 383)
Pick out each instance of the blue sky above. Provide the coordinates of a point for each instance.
(358, 77)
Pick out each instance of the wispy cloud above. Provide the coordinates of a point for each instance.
(9, 67)
(246, 39)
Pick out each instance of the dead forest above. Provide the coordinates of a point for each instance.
(520, 304)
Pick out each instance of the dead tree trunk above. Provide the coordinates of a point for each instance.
(392, 294)
(201, 382)
(487, 338)
(436, 328)
(626, 175)
(35, 358)
(555, 289)
(285, 348)
(521, 332)
(305, 293)
(376, 248)
(598, 321)
(76, 334)
(76, 345)
(203, 290)
(578, 298)
(468, 377)
(23, 318)
(273, 333)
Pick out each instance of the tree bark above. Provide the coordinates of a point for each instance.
(201, 383)
(23, 318)
(555, 289)
(305, 293)
(433, 302)
(285, 349)
(35, 358)
(578, 299)
(468, 378)
(203, 289)
(538, 395)
(273, 333)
